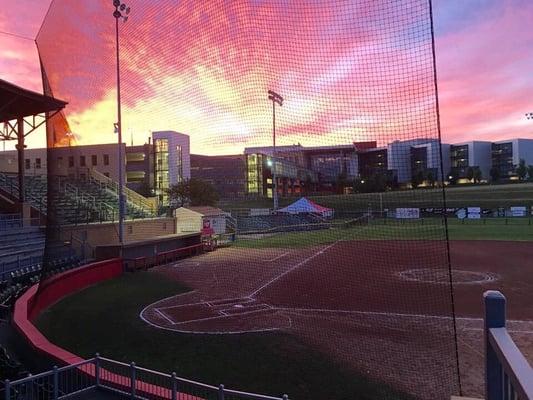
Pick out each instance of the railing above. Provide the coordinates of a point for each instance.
(508, 375)
(133, 197)
(125, 379)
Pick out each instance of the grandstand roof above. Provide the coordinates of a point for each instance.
(17, 102)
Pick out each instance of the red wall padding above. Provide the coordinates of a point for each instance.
(36, 299)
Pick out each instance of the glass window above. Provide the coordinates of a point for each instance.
(106, 159)
(82, 161)
(27, 163)
(94, 160)
(38, 163)
(71, 161)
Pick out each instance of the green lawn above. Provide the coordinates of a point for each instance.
(518, 229)
(105, 319)
(486, 196)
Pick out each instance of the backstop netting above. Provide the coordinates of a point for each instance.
(359, 272)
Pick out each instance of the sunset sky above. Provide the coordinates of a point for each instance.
(211, 82)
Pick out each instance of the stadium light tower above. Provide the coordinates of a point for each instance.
(121, 12)
(275, 98)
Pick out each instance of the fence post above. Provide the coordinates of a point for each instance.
(221, 392)
(56, 383)
(7, 388)
(133, 378)
(174, 386)
(97, 369)
(494, 318)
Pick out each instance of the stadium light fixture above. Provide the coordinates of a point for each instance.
(121, 12)
(529, 115)
(275, 98)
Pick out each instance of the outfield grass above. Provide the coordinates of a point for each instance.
(517, 229)
(105, 319)
(486, 196)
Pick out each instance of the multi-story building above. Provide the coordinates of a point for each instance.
(506, 155)
(226, 173)
(475, 154)
(172, 161)
(148, 169)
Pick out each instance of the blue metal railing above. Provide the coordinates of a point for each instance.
(508, 375)
(126, 379)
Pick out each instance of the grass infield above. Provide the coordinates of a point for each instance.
(105, 319)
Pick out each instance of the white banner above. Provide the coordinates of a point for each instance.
(408, 213)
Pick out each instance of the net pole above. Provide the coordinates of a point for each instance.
(444, 203)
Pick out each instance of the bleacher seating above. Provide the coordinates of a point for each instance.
(279, 223)
(75, 200)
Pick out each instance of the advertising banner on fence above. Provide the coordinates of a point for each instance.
(518, 211)
(408, 213)
(473, 212)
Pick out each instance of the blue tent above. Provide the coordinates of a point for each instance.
(305, 205)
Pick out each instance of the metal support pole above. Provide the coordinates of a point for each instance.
(221, 392)
(133, 380)
(7, 390)
(174, 386)
(97, 369)
(20, 154)
(494, 318)
(56, 383)
(274, 172)
(120, 160)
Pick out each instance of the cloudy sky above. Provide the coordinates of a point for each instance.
(205, 72)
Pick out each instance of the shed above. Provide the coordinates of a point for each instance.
(196, 219)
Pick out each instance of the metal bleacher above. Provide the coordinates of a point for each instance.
(76, 200)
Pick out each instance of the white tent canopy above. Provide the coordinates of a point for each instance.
(305, 205)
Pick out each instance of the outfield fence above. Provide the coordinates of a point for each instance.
(125, 379)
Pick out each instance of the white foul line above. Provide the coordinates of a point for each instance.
(292, 269)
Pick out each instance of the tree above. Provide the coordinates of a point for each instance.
(470, 173)
(452, 177)
(478, 175)
(495, 174)
(430, 177)
(530, 173)
(194, 192)
(521, 170)
(417, 178)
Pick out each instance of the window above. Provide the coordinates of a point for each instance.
(71, 161)
(27, 163)
(38, 163)
(106, 159)
(60, 162)
(94, 160)
(82, 161)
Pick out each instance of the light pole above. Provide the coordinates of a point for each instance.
(120, 8)
(275, 98)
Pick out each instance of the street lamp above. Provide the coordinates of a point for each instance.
(121, 12)
(275, 98)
